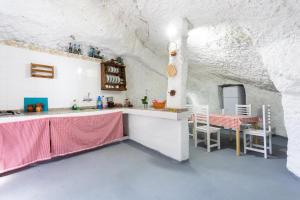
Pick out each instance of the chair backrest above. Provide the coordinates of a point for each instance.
(243, 110)
(266, 109)
(190, 109)
(202, 115)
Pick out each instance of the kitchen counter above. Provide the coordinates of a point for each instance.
(160, 130)
(165, 114)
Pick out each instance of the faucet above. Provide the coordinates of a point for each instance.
(88, 98)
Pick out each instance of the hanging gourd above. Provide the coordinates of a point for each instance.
(171, 70)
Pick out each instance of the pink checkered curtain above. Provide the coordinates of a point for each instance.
(23, 143)
(74, 134)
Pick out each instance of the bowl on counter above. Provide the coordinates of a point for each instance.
(159, 104)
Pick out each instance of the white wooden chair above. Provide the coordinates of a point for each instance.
(202, 126)
(191, 119)
(265, 133)
(243, 110)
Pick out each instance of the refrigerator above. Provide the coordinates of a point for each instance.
(233, 95)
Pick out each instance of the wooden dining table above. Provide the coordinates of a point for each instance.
(233, 122)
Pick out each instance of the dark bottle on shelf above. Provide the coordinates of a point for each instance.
(79, 50)
(96, 53)
(75, 49)
(70, 50)
(91, 52)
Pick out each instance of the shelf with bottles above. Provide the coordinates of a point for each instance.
(74, 48)
(113, 76)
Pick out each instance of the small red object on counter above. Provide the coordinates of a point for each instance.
(30, 108)
(159, 104)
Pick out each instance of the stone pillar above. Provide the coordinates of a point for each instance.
(179, 81)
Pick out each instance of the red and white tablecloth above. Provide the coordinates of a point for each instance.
(231, 121)
(23, 143)
(74, 134)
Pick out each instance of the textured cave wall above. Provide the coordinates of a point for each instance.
(256, 43)
(227, 49)
(282, 60)
(203, 89)
(53, 24)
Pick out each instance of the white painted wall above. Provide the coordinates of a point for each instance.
(203, 89)
(141, 78)
(74, 78)
(169, 137)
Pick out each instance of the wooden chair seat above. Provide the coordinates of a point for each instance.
(256, 132)
(211, 129)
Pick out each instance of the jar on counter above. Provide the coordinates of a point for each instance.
(39, 107)
(30, 108)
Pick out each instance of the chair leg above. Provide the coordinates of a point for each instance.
(270, 143)
(245, 143)
(205, 138)
(208, 141)
(194, 130)
(196, 139)
(219, 139)
(265, 147)
(230, 134)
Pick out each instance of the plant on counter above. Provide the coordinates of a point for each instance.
(145, 102)
(75, 106)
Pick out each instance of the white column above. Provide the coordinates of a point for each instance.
(178, 82)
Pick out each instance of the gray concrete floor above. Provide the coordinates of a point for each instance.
(129, 171)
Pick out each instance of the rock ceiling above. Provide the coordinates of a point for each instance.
(229, 38)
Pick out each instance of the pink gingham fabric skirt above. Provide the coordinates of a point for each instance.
(23, 143)
(74, 134)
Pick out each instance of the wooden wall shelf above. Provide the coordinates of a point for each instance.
(57, 52)
(42, 71)
(113, 76)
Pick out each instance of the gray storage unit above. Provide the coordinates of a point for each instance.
(232, 95)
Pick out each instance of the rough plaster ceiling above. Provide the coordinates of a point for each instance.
(226, 41)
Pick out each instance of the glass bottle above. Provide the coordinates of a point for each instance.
(70, 48)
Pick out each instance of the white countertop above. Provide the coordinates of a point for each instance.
(71, 113)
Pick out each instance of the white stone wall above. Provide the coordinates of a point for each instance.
(203, 89)
(282, 60)
(74, 79)
(141, 78)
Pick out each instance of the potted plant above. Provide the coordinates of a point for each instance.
(145, 102)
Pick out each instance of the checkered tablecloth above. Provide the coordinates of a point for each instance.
(231, 121)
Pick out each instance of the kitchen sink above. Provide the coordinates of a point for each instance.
(88, 108)
(9, 113)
